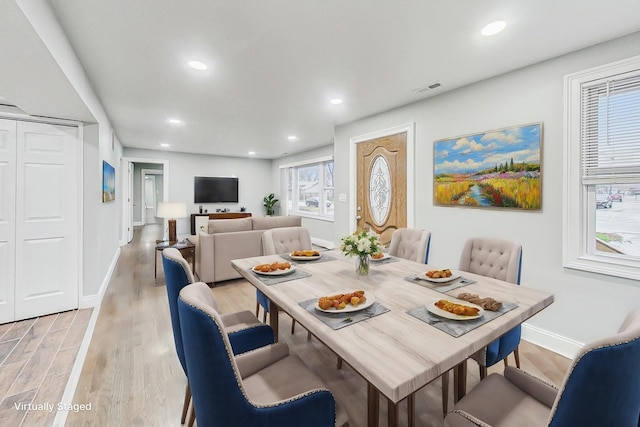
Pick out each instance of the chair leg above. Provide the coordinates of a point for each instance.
(445, 393)
(516, 354)
(506, 361)
(483, 371)
(339, 363)
(293, 326)
(264, 316)
(257, 308)
(185, 405)
(192, 417)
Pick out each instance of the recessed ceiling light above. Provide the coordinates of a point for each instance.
(493, 28)
(174, 122)
(292, 138)
(164, 144)
(197, 65)
(336, 101)
(252, 153)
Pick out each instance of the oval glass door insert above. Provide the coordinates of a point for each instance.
(380, 190)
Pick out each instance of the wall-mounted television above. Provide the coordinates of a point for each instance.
(214, 189)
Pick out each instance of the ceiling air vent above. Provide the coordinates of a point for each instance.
(427, 88)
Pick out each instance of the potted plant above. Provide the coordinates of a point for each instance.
(269, 202)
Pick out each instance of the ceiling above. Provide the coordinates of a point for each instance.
(274, 65)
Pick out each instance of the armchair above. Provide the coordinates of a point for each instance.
(264, 387)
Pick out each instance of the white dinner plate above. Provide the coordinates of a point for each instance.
(277, 272)
(440, 279)
(384, 256)
(305, 258)
(431, 307)
(350, 308)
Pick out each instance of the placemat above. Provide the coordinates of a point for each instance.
(440, 287)
(384, 261)
(274, 280)
(340, 320)
(323, 258)
(457, 328)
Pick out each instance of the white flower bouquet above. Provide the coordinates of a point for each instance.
(362, 244)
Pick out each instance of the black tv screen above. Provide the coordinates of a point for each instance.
(211, 189)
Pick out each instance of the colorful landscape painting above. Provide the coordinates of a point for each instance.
(108, 182)
(499, 169)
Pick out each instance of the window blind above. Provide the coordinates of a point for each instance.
(610, 130)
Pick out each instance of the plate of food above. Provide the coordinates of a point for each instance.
(345, 302)
(380, 256)
(454, 309)
(305, 255)
(439, 276)
(274, 269)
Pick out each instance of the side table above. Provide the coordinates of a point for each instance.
(187, 249)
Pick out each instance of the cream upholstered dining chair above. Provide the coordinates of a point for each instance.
(499, 259)
(600, 389)
(278, 241)
(245, 331)
(265, 387)
(411, 244)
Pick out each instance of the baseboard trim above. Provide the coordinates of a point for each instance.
(551, 341)
(74, 377)
(323, 243)
(94, 300)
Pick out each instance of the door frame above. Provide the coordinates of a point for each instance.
(125, 206)
(409, 128)
(143, 192)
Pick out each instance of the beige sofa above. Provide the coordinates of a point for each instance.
(227, 239)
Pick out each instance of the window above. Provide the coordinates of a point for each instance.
(310, 188)
(602, 170)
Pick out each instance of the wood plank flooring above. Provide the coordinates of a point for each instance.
(131, 375)
(36, 358)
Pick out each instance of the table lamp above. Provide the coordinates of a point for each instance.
(171, 211)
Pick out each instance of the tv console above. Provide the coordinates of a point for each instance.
(201, 219)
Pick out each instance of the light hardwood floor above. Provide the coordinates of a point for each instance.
(132, 376)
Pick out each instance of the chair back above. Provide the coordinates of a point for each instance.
(492, 257)
(285, 239)
(177, 275)
(602, 387)
(411, 244)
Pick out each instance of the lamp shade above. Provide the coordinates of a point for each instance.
(172, 210)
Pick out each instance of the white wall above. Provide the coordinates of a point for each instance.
(254, 180)
(318, 228)
(587, 306)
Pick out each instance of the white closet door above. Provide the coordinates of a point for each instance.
(48, 190)
(7, 219)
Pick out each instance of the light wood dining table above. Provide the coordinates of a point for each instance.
(396, 353)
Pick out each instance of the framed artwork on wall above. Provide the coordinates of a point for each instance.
(108, 182)
(495, 169)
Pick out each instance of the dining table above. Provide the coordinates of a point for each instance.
(397, 342)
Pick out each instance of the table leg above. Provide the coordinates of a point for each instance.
(392, 414)
(459, 381)
(273, 318)
(373, 397)
(411, 409)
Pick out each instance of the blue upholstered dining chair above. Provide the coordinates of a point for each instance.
(261, 388)
(278, 241)
(499, 259)
(245, 331)
(601, 389)
(410, 243)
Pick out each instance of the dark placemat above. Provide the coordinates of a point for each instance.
(384, 261)
(440, 287)
(457, 328)
(340, 320)
(323, 258)
(274, 280)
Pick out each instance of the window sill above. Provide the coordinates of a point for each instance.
(311, 216)
(595, 264)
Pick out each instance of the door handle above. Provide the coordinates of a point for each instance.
(358, 218)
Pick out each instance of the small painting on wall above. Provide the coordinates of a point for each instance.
(108, 182)
(495, 169)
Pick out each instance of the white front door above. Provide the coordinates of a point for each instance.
(7, 219)
(47, 216)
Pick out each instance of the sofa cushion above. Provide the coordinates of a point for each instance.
(229, 225)
(265, 223)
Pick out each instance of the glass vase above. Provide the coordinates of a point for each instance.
(362, 265)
